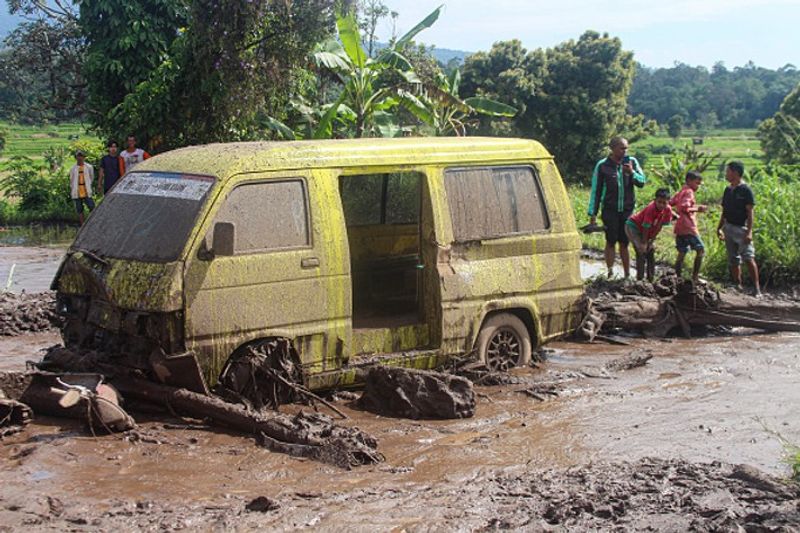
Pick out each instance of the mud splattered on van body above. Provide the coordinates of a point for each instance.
(191, 310)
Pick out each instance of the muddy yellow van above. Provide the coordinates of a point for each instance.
(341, 253)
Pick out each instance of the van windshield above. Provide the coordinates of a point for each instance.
(146, 216)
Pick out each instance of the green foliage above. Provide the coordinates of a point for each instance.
(228, 76)
(736, 98)
(34, 184)
(572, 97)
(730, 144)
(32, 141)
(793, 460)
(372, 88)
(93, 148)
(780, 135)
(637, 127)
(675, 126)
(126, 42)
(370, 13)
(672, 173)
(439, 105)
(40, 71)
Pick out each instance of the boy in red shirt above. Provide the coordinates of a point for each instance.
(642, 230)
(687, 235)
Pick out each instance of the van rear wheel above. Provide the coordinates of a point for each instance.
(504, 342)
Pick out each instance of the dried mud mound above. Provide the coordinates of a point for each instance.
(652, 494)
(27, 313)
(417, 394)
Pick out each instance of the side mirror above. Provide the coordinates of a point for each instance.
(223, 239)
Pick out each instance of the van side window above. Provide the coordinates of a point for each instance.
(371, 199)
(270, 215)
(491, 202)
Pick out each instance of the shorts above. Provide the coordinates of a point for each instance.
(614, 223)
(635, 237)
(79, 204)
(735, 245)
(686, 242)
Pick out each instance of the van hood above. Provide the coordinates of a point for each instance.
(127, 284)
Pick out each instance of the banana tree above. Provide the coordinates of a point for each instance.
(365, 95)
(440, 106)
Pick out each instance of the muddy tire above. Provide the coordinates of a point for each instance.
(504, 342)
(260, 374)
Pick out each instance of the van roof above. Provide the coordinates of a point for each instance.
(226, 159)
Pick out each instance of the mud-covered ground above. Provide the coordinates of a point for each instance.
(658, 446)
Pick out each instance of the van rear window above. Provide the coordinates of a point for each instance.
(147, 216)
(492, 202)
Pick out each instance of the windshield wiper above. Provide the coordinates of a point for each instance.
(91, 255)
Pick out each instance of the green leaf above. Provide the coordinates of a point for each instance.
(416, 107)
(411, 77)
(284, 131)
(324, 129)
(445, 98)
(351, 40)
(454, 81)
(386, 123)
(487, 106)
(425, 23)
(332, 61)
(394, 59)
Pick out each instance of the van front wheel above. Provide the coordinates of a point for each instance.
(504, 342)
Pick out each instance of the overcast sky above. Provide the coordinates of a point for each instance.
(699, 32)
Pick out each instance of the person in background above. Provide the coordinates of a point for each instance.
(642, 230)
(131, 156)
(687, 236)
(736, 226)
(613, 182)
(81, 176)
(111, 167)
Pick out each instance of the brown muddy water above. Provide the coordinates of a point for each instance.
(30, 255)
(696, 401)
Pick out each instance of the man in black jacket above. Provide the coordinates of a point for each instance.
(613, 182)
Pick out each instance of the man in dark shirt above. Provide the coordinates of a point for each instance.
(736, 225)
(110, 167)
(613, 182)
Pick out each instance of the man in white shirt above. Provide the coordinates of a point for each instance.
(131, 156)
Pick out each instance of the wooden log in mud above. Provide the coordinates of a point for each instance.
(305, 435)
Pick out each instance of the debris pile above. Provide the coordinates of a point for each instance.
(417, 394)
(14, 416)
(649, 494)
(674, 304)
(28, 313)
(80, 396)
(303, 435)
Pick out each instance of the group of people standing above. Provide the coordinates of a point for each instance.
(112, 167)
(613, 196)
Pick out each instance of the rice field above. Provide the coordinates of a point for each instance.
(32, 141)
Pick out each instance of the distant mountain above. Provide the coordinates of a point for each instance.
(444, 55)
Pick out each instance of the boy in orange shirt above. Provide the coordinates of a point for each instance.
(687, 236)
